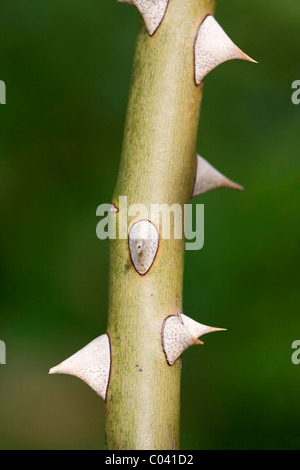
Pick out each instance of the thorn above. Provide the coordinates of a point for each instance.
(212, 48)
(91, 364)
(207, 178)
(143, 240)
(175, 338)
(153, 12)
(180, 332)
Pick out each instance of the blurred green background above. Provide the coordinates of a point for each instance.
(66, 64)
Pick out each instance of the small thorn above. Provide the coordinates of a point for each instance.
(207, 178)
(213, 47)
(180, 332)
(91, 364)
(153, 12)
(197, 341)
(175, 338)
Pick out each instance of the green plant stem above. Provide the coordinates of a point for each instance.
(158, 165)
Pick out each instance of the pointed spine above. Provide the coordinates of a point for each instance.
(91, 364)
(207, 178)
(212, 48)
(179, 333)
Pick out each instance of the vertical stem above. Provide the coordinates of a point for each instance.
(158, 165)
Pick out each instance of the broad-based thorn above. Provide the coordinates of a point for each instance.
(91, 364)
(179, 332)
(212, 48)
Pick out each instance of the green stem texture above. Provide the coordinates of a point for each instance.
(157, 166)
